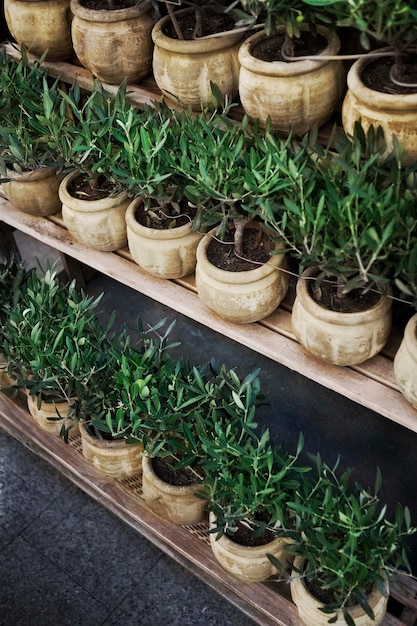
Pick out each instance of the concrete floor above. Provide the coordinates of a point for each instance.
(52, 564)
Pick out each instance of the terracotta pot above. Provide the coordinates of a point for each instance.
(41, 414)
(41, 26)
(405, 362)
(116, 459)
(396, 114)
(179, 504)
(5, 380)
(309, 607)
(166, 253)
(339, 338)
(295, 95)
(240, 297)
(99, 224)
(114, 44)
(183, 69)
(36, 192)
(246, 562)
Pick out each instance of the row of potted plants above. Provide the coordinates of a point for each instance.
(344, 214)
(171, 417)
(290, 70)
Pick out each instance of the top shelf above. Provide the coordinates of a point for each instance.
(370, 384)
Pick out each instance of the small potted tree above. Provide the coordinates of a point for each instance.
(345, 549)
(294, 94)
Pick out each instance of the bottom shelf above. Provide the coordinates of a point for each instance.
(268, 604)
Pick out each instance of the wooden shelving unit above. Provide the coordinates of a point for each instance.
(370, 384)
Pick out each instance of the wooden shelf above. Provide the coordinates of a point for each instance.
(268, 604)
(370, 384)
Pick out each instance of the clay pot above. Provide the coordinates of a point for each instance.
(36, 192)
(183, 69)
(166, 253)
(339, 338)
(5, 380)
(41, 26)
(114, 44)
(42, 413)
(179, 504)
(240, 297)
(309, 607)
(98, 224)
(295, 95)
(114, 458)
(405, 362)
(396, 114)
(248, 563)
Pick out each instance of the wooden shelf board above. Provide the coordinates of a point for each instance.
(268, 604)
(371, 384)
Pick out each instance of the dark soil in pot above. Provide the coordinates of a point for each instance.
(179, 477)
(256, 251)
(376, 75)
(269, 49)
(324, 595)
(169, 215)
(356, 300)
(108, 5)
(245, 536)
(210, 23)
(90, 189)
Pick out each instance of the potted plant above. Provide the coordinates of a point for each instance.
(294, 94)
(229, 168)
(345, 549)
(41, 26)
(248, 481)
(52, 338)
(383, 91)
(30, 170)
(194, 47)
(112, 38)
(339, 218)
(159, 219)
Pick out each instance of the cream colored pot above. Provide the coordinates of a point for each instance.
(99, 224)
(295, 95)
(179, 504)
(405, 362)
(42, 413)
(36, 193)
(114, 45)
(41, 26)
(339, 338)
(396, 114)
(240, 297)
(248, 563)
(114, 458)
(309, 607)
(166, 253)
(183, 69)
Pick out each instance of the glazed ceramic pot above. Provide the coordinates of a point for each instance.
(42, 26)
(166, 253)
(178, 504)
(114, 458)
(45, 415)
(184, 69)
(37, 192)
(405, 362)
(308, 606)
(395, 113)
(248, 563)
(339, 338)
(240, 297)
(295, 95)
(114, 44)
(99, 224)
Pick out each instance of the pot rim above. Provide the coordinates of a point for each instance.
(236, 548)
(110, 15)
(282, 68)
(105, 443)
(147, 470)
(87, 206)
(154, 233)
(377, 99)
(383, 305)
(192, 46)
